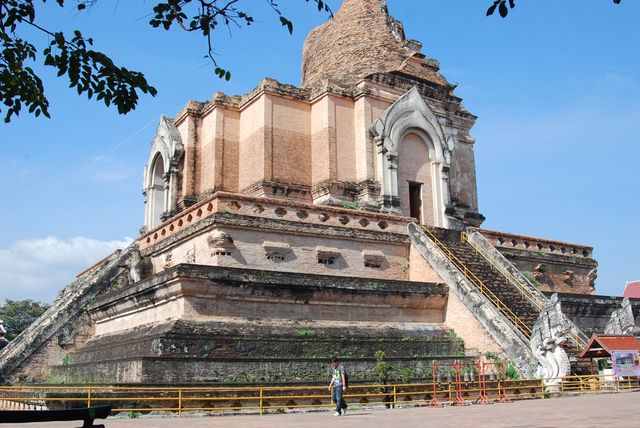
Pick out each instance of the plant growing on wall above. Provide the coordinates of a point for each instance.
(352, 205)
(382, 371)
(529, 276)
(407, 374)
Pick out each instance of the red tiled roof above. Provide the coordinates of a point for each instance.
(601, 346)
(632, 290)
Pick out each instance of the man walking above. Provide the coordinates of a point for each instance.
(338, 386)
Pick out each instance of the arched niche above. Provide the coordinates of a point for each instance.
(415, 184)
(410, 120)
(161, 174)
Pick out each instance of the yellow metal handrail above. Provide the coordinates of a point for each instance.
(504, 309)
(524, 291)
(261, 399)
(579, 339)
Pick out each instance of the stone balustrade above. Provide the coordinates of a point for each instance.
(528, 243)
(231, 203)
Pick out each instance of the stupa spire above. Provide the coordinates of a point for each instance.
(360, 40)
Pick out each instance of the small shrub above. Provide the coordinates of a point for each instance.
(510, 371)
(407, 374)
(382, 369)
(531, 279)
(352, 205)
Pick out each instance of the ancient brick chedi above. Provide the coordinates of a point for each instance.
(294, 223)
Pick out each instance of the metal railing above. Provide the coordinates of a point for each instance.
(533, 296)
(263, 400)
(539, 302)
(486, 292)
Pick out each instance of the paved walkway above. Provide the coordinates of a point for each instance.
(597, 411)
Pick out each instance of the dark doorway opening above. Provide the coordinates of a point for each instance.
(415, 201)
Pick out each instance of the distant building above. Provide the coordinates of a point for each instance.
(632, 290)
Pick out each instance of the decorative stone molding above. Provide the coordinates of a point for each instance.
(301, 214)
(276, 189)
(220, 243)
(550, 333)
(522, 242)
(276, 251)
(342, 190)
(622, 320)
(592, 276)
(327, 255)
(190, 257)
(373, 258)
(168, 261)
(556, 266)
(568, 277)
(139, 267)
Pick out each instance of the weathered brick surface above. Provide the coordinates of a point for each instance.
(591, 313)
(204, 292)
(362, 39)
(193, 352)
(556, 266)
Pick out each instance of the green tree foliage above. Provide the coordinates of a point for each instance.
(19, 314)
(93, 73)
(89, 72)
(503, 6)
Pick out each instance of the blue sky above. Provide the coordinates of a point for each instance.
(555, 87)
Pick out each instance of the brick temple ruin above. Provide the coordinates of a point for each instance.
(340, 217)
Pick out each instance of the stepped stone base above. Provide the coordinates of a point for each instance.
(218, 352)
(194, 324)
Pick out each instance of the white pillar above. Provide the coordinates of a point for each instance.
(438, 207)
(173, 189)
(166, 179)
(393, 175)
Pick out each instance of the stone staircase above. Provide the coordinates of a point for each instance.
(28, 356)
(490, 277)
(516, 304)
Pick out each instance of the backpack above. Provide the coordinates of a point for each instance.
(346, 378)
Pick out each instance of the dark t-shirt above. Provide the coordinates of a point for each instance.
(337, 375)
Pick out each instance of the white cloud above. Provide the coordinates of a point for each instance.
(39, 268)
(618, 79)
